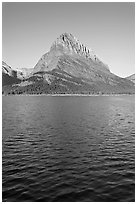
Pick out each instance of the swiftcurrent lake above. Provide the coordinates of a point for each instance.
(68, 148)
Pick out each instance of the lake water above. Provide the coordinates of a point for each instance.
(68, 148)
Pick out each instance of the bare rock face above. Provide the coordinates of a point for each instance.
(68, 44)
(68, 47)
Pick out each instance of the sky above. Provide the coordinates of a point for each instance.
(29, 29)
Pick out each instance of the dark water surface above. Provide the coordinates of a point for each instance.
(68, 148)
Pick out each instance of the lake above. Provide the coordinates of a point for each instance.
(68, 148)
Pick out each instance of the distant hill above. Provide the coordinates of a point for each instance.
(131, 78)
(70, 67)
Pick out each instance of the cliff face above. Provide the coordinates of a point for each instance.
(70, 67)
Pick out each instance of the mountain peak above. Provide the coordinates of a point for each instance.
(68, 38)
(66, 35)
(65, 39)
(69, 67)
(69, 43)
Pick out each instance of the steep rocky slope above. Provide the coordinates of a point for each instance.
(70, 67)
(131, 78)
(9, 76)
(12, 76)
(69, 55)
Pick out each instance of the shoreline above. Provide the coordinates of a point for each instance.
(69, 95)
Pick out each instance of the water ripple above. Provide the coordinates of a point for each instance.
(56, 151)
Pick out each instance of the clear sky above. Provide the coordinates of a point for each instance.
(29, 29)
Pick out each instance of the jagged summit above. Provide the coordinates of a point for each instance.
(70, 43)
(67, 46)
(67, 38)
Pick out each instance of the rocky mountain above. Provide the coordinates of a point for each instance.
(13, 76)
(9, 76)
(6, 69)
(131, 78)
(70, 67)
(67, 47)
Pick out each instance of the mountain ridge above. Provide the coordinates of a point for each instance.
(131, 78)
(70, 67)
(67, 44)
